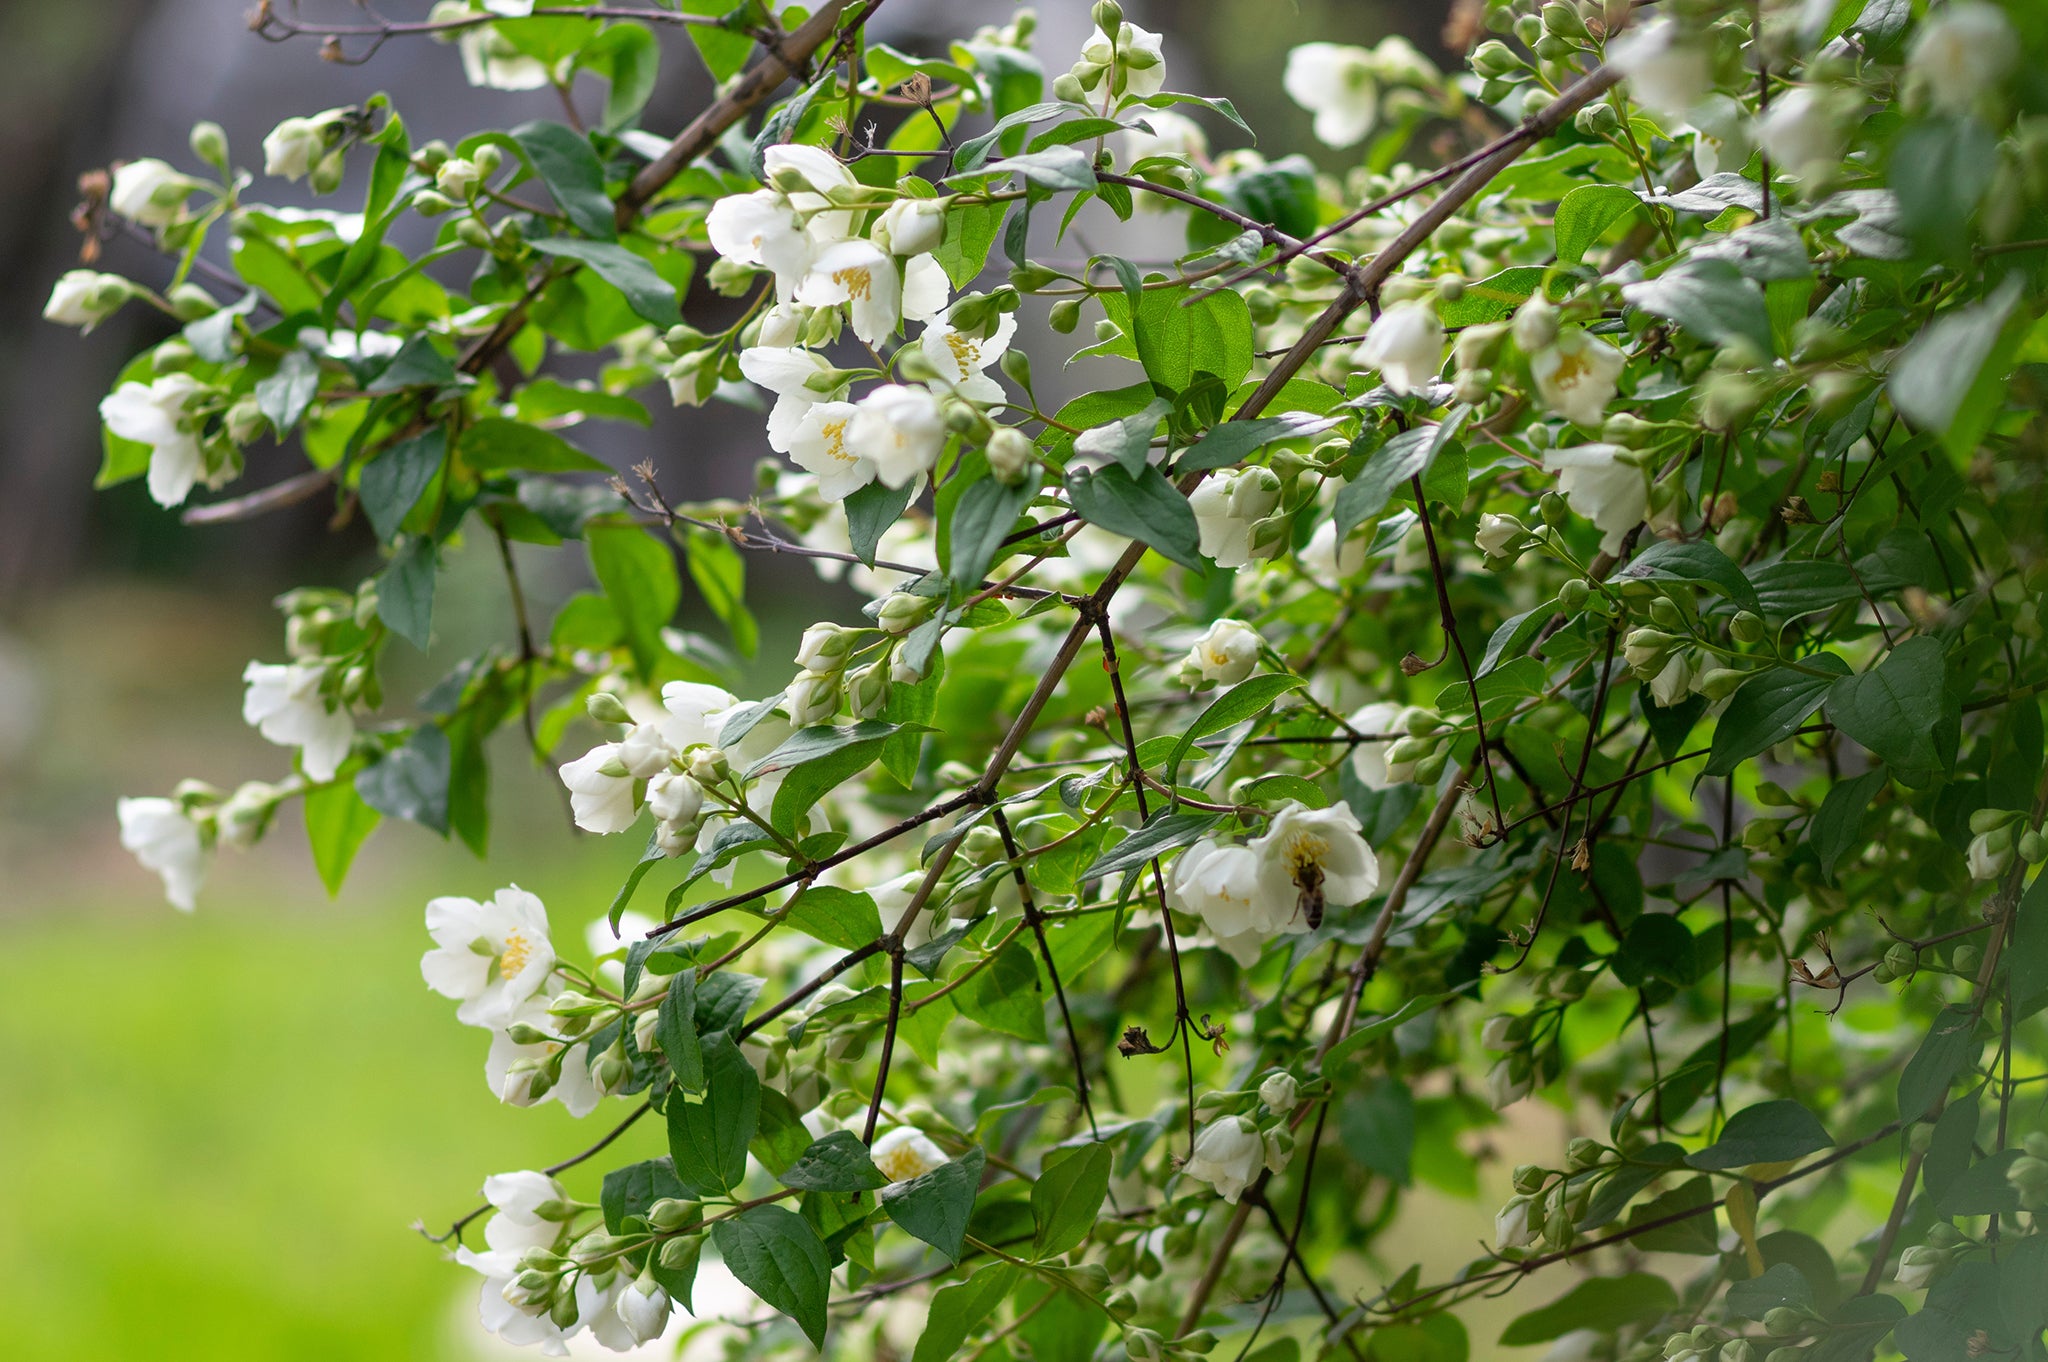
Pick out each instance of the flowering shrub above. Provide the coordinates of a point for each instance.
(1566, 586)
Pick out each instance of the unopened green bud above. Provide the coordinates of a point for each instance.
(1493, 58)
(1746, 627)
(680, 1255)
(607, 708)
(1010, 452)
(1720, 682)
(210, 144)
(1965, 958)
(1538, 99)
(1030, 277)
(1262, 303)
(914, 365)
(1108, 16)
(901, 612)
(1107, 330)
(1597, 120)
(1583, 1153)
(1571, 597)
(1664, 612)
(1065, 315)
(1120, 1304)
(430, 204)
(669, 1215)
(2033, 847)
(1067, 87)
(1554, 511)
(470, 232)
(1782, 1321)
(1990, 820)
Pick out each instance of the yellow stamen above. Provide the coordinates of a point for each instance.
(857, 280)
(835, 441)
(966, 353)
(518, 950)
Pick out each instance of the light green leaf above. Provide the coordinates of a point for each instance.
(1067, 1197)
(935, 1207)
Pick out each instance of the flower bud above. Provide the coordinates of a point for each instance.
(867, 689)
(1065, 315)
(210, 144)
(1583, 1153)
(607, 708)
(1782, 1321)
(1067, 88)
(1120, 1304)
(901, 612)
(1528, 1179)
(1108, 15)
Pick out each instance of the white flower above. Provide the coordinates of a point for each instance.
(811, 698)
(1228, 1155)
(1406, 344)
(1666, 72)
(1964, 49)
(960, 358)
(1498, 533)
(512, 1068)
(1316, 851)
(1504, 1087)
(1580, 1345)
(1602, 486)
(645, 751)
(809, 175)
(1801, 134)
(517, 1199)
(1576, 376)
(491, 956)
(926, 289)
(694, 713)
(1280, 1092)
(519, 1327)
(787, 372)
(644, 1309)
(911, 226)
(674, 797)
(154, 414)
(1228, 507)
(824, 648)
(900, 430)
(492, 60)
(1988, 858)
(597, 1306)
(163, 839)
(1369, 759)
(601, 790)
(1920, 1265)
(862, 275)
(85, 298)
(1142, 81)
(293, 146)
(819, 446)
(1172, 134)
(905, 1153)
(1221, 885)
(1226, 653)
(1328, 564)
(150, 192)
(763, 229)
(284, 704)
(1511, 1225)
(1672, 684)
(1335, 83)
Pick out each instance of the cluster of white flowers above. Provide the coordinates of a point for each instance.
(1278, 884)
(1234, 511)
(1341, 85)
(669, 759)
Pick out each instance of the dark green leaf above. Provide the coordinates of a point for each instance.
(1246, 700)
(675, 1031)
(779, 1257)
(495, 443)
(1602, 1303)
(411, 782)
(985, 513)
(405, 592)
(417, 365)
(391, 483)
(838, 917)
(2028, 955)
(935, 1207)
(958, 1310)
(1005, 995)
(1710, 298)
(1982, 1189)
(1781, 1285)
(1696, 562)
(1769, 1132)
(652, 297)
(1493, 298)
(1948, 1048)
(1407, 455)
(284, 396)
(838, 1162)
(1147, 508)
(629, 1191)
(870, 511)
(708, 1139)
(1067, 1197)
(1891, 709)
(1657, 946)
(1837, 826)
(1233, 442)
(1377, 1126)
(568, 166)
(1768, 708)
(1694, 1233)
(818, 760)
(1166, 832)
(638, 573)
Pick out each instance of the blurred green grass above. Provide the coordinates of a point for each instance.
(219, 1127)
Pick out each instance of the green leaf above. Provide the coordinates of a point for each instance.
(935, 1207)
(1067, 1197)
(1247, 699)
(1493, 298)
(870, 511)
(1983, 1189)
(1769, 1132)
(390, 484)
(1892, 708)
(1837, 826)
(1232, 442)
(411, 782)
(1768, 708)
(1055, 168)
(337, 824)
(417, 365)
(1177, 338)
(1147, 508)
(1657, 946)
(1585, 214)
(708, 1139)
(675, 1031)
(1950, 1147)
(1802, 586)
(1781, 1285)
(1698, 563)
(958, 1310)
(1365, 1033)
(405, 592)
(495, 444)
(284, 396)
(568, 166)
(638, 573)
(1004, 996)
(1166, 832)
(779, 1257)
(818, 760)
(647, 293)
(1693, 1234)
(837, 1162)
(1939, 370)
(1377, 1125)
(1602, 1303)
(2028, 955)
(838, 917)
(985, 513)
(1408, 455)
(720, 575)
(1618, 1188)
(970, 231)
(629, 1191)
(1710, 298)
(629, 59)
(1949, 1046)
